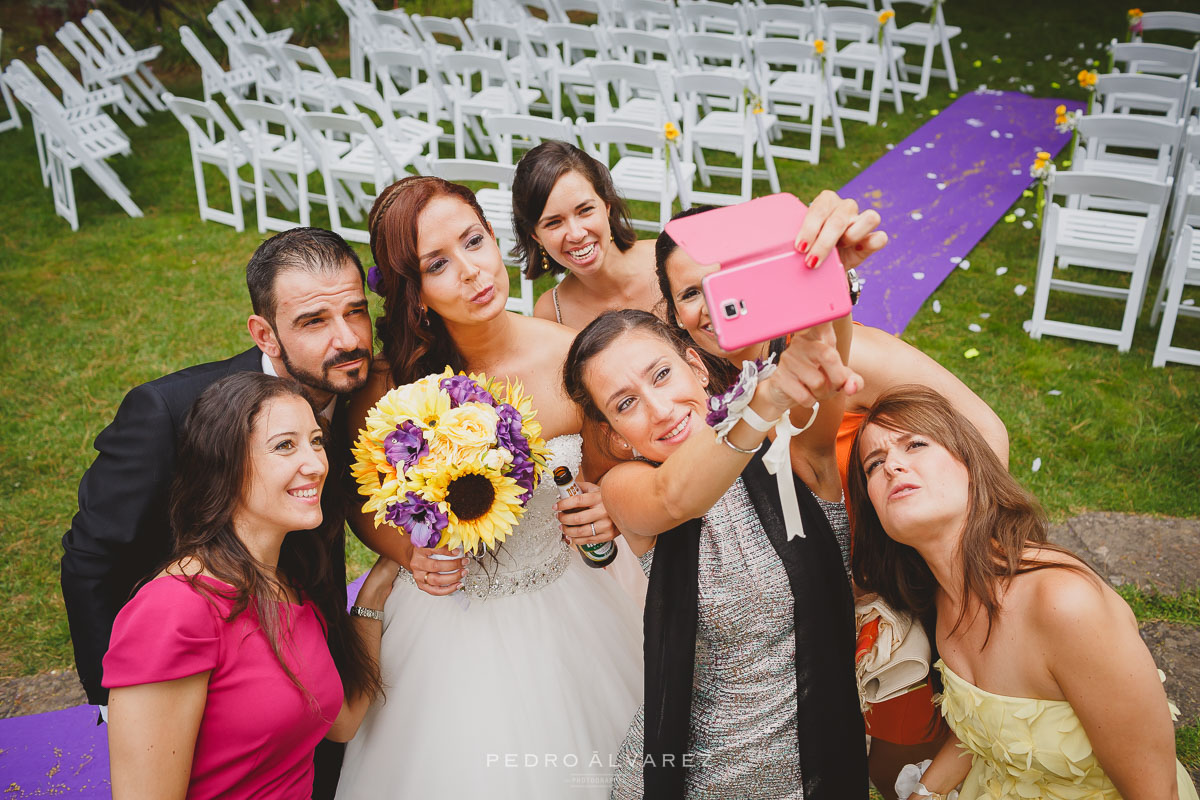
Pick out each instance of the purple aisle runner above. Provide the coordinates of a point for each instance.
(944, 187)
(62, 753)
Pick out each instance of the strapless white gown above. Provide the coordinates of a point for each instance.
(525, 693)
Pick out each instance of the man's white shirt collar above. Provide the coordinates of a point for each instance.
(268, 368)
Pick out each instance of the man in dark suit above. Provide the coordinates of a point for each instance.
(311, 323)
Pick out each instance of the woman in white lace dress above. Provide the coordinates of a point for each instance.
(515, 675)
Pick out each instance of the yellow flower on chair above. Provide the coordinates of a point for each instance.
(819, 46)
(670, 131)
(886, 15)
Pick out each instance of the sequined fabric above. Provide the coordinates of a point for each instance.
(535, 555)
(743, 719)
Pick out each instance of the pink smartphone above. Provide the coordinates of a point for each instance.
(762, 289)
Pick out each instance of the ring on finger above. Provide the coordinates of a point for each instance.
(593, 529)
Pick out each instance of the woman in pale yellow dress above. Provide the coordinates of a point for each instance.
(1046, 684)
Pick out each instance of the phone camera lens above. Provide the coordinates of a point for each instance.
(729, 309)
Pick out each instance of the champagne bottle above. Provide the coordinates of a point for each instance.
(594, 555)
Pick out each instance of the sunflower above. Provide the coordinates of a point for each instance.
(483, 505)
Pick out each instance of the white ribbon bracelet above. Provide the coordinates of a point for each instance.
(778, 461)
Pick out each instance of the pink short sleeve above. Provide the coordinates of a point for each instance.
(167, 631)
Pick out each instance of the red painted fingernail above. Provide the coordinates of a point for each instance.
(811, 262)
(858, 247)
(803, 248)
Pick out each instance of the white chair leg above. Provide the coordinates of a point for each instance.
(1171, 313)
(1133, 304)
(1045, 271)
(948, 57)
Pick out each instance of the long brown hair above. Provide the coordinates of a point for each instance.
(1003, 519)
(210, 481)
(537, 173)
(415, 341)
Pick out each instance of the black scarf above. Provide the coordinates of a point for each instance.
(832, 745)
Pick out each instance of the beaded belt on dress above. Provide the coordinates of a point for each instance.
(531, 579)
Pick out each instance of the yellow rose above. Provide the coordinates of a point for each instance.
(1043, 155)
(1135, 12)
(469, 429)
(1060, 110)
(819, 46)
(884, 16)
(670, 131)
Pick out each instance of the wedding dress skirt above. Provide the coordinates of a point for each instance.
(525, 692)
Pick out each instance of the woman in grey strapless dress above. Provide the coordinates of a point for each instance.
(749, 639)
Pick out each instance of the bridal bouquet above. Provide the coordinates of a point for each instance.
(451, 460)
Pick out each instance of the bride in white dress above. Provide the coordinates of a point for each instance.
(518, 678)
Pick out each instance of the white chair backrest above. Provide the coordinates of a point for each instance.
(1156, 59)
(596, 136)
(201, 119)
(72, 90)
(466, 169)
(106, 35)
(851, 24)
(549, 10)
(507, 131)
(576, 41)
(1183, 21)
(649, 14)
(240, 15)
(787, 21)
(715, 49)
(1152, 193)
(1100, 133)
(392, 29)
(399, 70)
(82, 49)
(705, 16)
(602, 10)
(1142, 92)
(643, 47)
(770, 53)
(451, 28)
(32, 93)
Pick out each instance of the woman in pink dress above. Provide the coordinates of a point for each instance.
(230, 665)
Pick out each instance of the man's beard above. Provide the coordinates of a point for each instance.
(320, 382)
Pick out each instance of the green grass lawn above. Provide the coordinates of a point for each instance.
(87, 315)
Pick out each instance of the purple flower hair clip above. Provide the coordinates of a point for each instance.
(375, 279)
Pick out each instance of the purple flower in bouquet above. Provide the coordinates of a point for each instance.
(464, 390)
(375, 279)
(508, 430)
(405, 445)
(419, 518)
(523, 471)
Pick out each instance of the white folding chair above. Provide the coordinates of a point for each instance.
(358, 16)
(248, 26)
(740, 130)
(798, 87)
(399, 130)
(308, 78)
(603, 11)
(412, 87)
(447, 28)
(1156, 59)
(1128, 146)
(854, 34)
(574, 48)
(1180, 21)
(98, 72)
(706, 16)
(71, 143)
(1182, 272)
(642, 174)
(547, 10)
(73, 93)
(645, 94)
(780, 20)
(84, 112)
(530, 70)
(1086, 240)
(496, 202)
(655, 47)
(215, 80)
(280, 147)
(1119, 93)
(116, 48)
(511, 132)
(649, 14)
(227, 151)
(929, 34)
(498, 92)
(719, 52)
(371, 159)
(14, 118)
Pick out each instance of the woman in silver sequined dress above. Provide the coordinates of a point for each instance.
(516, 675)
(749, 638)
